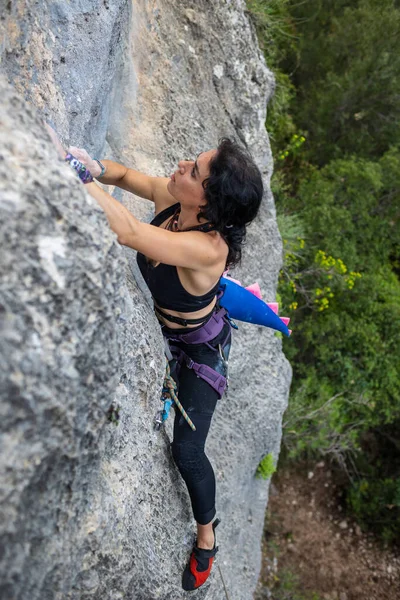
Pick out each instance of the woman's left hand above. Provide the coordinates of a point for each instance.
(91, 165)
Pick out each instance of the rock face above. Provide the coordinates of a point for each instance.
(91, 509)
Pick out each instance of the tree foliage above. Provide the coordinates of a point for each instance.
(347, 78)
(336, 139)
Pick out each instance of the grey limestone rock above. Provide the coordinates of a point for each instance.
(91, 509)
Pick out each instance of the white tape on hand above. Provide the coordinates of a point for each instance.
(83, 157)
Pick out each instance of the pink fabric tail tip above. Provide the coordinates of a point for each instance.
(286, 320)
(254, 289)
(274, 306)
(290, 332)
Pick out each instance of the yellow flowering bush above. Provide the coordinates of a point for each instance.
(313, 285)
(292, 148)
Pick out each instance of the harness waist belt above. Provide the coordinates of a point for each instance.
(206, 333)
(180, 320)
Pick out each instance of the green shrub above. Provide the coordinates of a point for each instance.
(266, 468)
(375, 502)
(335, 131)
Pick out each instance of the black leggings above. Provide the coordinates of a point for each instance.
(199, 400)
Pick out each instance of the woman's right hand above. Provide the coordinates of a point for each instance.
(83, 157)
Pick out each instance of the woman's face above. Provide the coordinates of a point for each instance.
(186, 184)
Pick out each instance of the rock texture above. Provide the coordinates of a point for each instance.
(91, 509)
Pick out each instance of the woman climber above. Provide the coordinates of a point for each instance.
(201, 213)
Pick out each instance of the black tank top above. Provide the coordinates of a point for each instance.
(163, 280)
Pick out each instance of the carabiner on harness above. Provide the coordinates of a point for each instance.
(225, 363)
(231, 322)
(169, 396)
(162, 415)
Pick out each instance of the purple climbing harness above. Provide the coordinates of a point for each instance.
(203, 335)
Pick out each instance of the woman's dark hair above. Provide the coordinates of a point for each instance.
(233, 192)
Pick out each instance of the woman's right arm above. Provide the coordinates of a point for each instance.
(145, 186)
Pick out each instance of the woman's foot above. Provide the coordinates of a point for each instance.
(199, 567)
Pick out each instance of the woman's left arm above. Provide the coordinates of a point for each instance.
(191, 249)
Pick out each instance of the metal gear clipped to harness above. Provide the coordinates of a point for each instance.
(168, 396)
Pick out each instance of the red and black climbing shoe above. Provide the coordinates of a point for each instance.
(199, 567)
